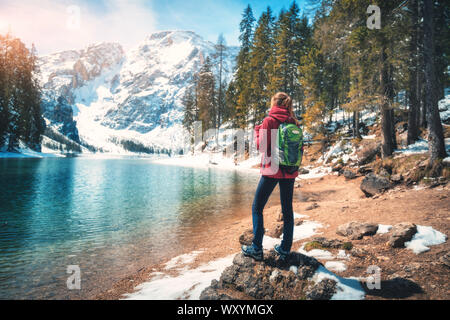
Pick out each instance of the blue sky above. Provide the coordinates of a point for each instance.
(210, 18)
(45, 22)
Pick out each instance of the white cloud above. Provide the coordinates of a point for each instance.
(51, 25)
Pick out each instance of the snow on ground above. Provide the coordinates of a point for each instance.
(191, 282)
(419, 147)
(182, 260)
(299, 216)
(425, 236)
(306, 229)
(314, 173)
(317, 253)
(347, 289)
(337, 266)
(28, 153)
(188, 285)
(210, 160)
(383, 228)
(444, 107)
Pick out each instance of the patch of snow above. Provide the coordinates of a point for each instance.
(425, 236)
(298, 215)
(317, 253)
(383, 228)
(347, 288)
(270, 242)
(187, 285)
(343, 255)
(293, 269)
(28, 153)
(306, 229)
(182, 260)
(419, 147)
(314, 173)
(337, 266)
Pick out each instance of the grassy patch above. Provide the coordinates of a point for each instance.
(313, 245)
(347, 246)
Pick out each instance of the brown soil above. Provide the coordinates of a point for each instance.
(340, 201)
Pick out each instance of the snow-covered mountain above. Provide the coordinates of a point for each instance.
(103, 96)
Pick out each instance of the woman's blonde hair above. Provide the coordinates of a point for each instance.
(282, 99)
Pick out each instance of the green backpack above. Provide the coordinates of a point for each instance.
(290, 146)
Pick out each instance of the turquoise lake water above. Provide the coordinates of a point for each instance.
(110, 217)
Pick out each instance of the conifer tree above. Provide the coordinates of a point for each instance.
(205, 96)
(20, 96)
(261, 65)
(243, 78)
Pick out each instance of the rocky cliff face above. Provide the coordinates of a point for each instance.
(104, 95)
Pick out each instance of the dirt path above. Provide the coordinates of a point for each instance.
(340, 201)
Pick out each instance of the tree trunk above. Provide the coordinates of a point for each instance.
(386, 112)
(413, 130)
(356, 133)
(435, 132)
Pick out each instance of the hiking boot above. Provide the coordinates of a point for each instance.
(283, 254)
(250, 251)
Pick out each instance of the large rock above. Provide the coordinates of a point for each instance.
(368, 152)
(357, 230)
(272, 278)
(349, 175)
(401, 233)
(246, 238)
(445, 259)
(276, 231)
(323, 290)
(373, 184)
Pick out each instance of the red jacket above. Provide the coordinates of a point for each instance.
(282, 115)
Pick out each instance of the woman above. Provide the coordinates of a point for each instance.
(280, 112)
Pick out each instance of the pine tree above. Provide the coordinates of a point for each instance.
(190, 112)
(435, 131)
(413, 119)
(242, 77)
(219, 56)
(205, 96)
(20, 96)
(261, 65)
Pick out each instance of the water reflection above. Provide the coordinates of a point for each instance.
(108, 216)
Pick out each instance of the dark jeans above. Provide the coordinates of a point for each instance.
(263, 192)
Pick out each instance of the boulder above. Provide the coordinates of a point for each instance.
(272, 278)
(365, 170)
(323, 290)
(338, 167)
(373, 184)
(368, 152)
(445, 259)
(349, 175)
(396, 178)
(401, 233)
(357, 230)
(276, 232)
(246, 238)
(312, 207)
(303, 171)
